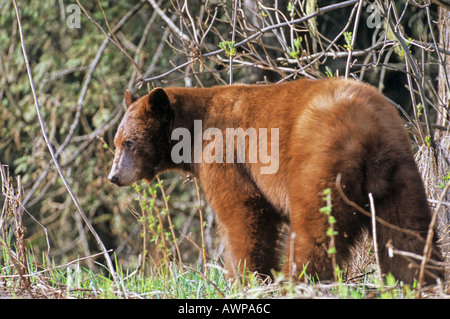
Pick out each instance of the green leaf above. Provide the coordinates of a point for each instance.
(348, 40)
(326, 209)
(428, 141)
(229, 48)
(331, 232)
(331, 220)
(419, 109)
(290, 9)
(328, 72)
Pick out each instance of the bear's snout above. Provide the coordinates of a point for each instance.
(113, 179)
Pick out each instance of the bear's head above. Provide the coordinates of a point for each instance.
(142, 139)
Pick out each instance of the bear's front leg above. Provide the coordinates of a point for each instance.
(249, 224)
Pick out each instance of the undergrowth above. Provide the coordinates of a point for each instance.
(176, 281)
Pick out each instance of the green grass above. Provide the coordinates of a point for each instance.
(174, 281)
(74, 281)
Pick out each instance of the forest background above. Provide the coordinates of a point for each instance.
(83, 55)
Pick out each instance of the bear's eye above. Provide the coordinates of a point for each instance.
(129, 144)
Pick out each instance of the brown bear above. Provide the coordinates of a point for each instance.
(264, 154)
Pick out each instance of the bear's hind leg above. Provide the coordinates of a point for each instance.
(307, 246)
(310, 240)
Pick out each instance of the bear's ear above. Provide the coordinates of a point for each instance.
(158, 101)
(129, 98)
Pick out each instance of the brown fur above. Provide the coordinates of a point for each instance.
(326, 127)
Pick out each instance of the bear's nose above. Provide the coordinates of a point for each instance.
(113, 179)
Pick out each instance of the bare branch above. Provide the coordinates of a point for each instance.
(256, 35)
(169, 22)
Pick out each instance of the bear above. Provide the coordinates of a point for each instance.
(259, 184)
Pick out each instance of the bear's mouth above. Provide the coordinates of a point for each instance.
(120, 181)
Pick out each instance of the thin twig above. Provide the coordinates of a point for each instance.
(374, 237)
(169, 22)
(292, 266)
(428, 244)
(233, 35)
(364, 212)
(206, 278)
(117, 44)
(160, 221)
(435, 264)
(169, 219)
(201, 221)
(352, 45)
